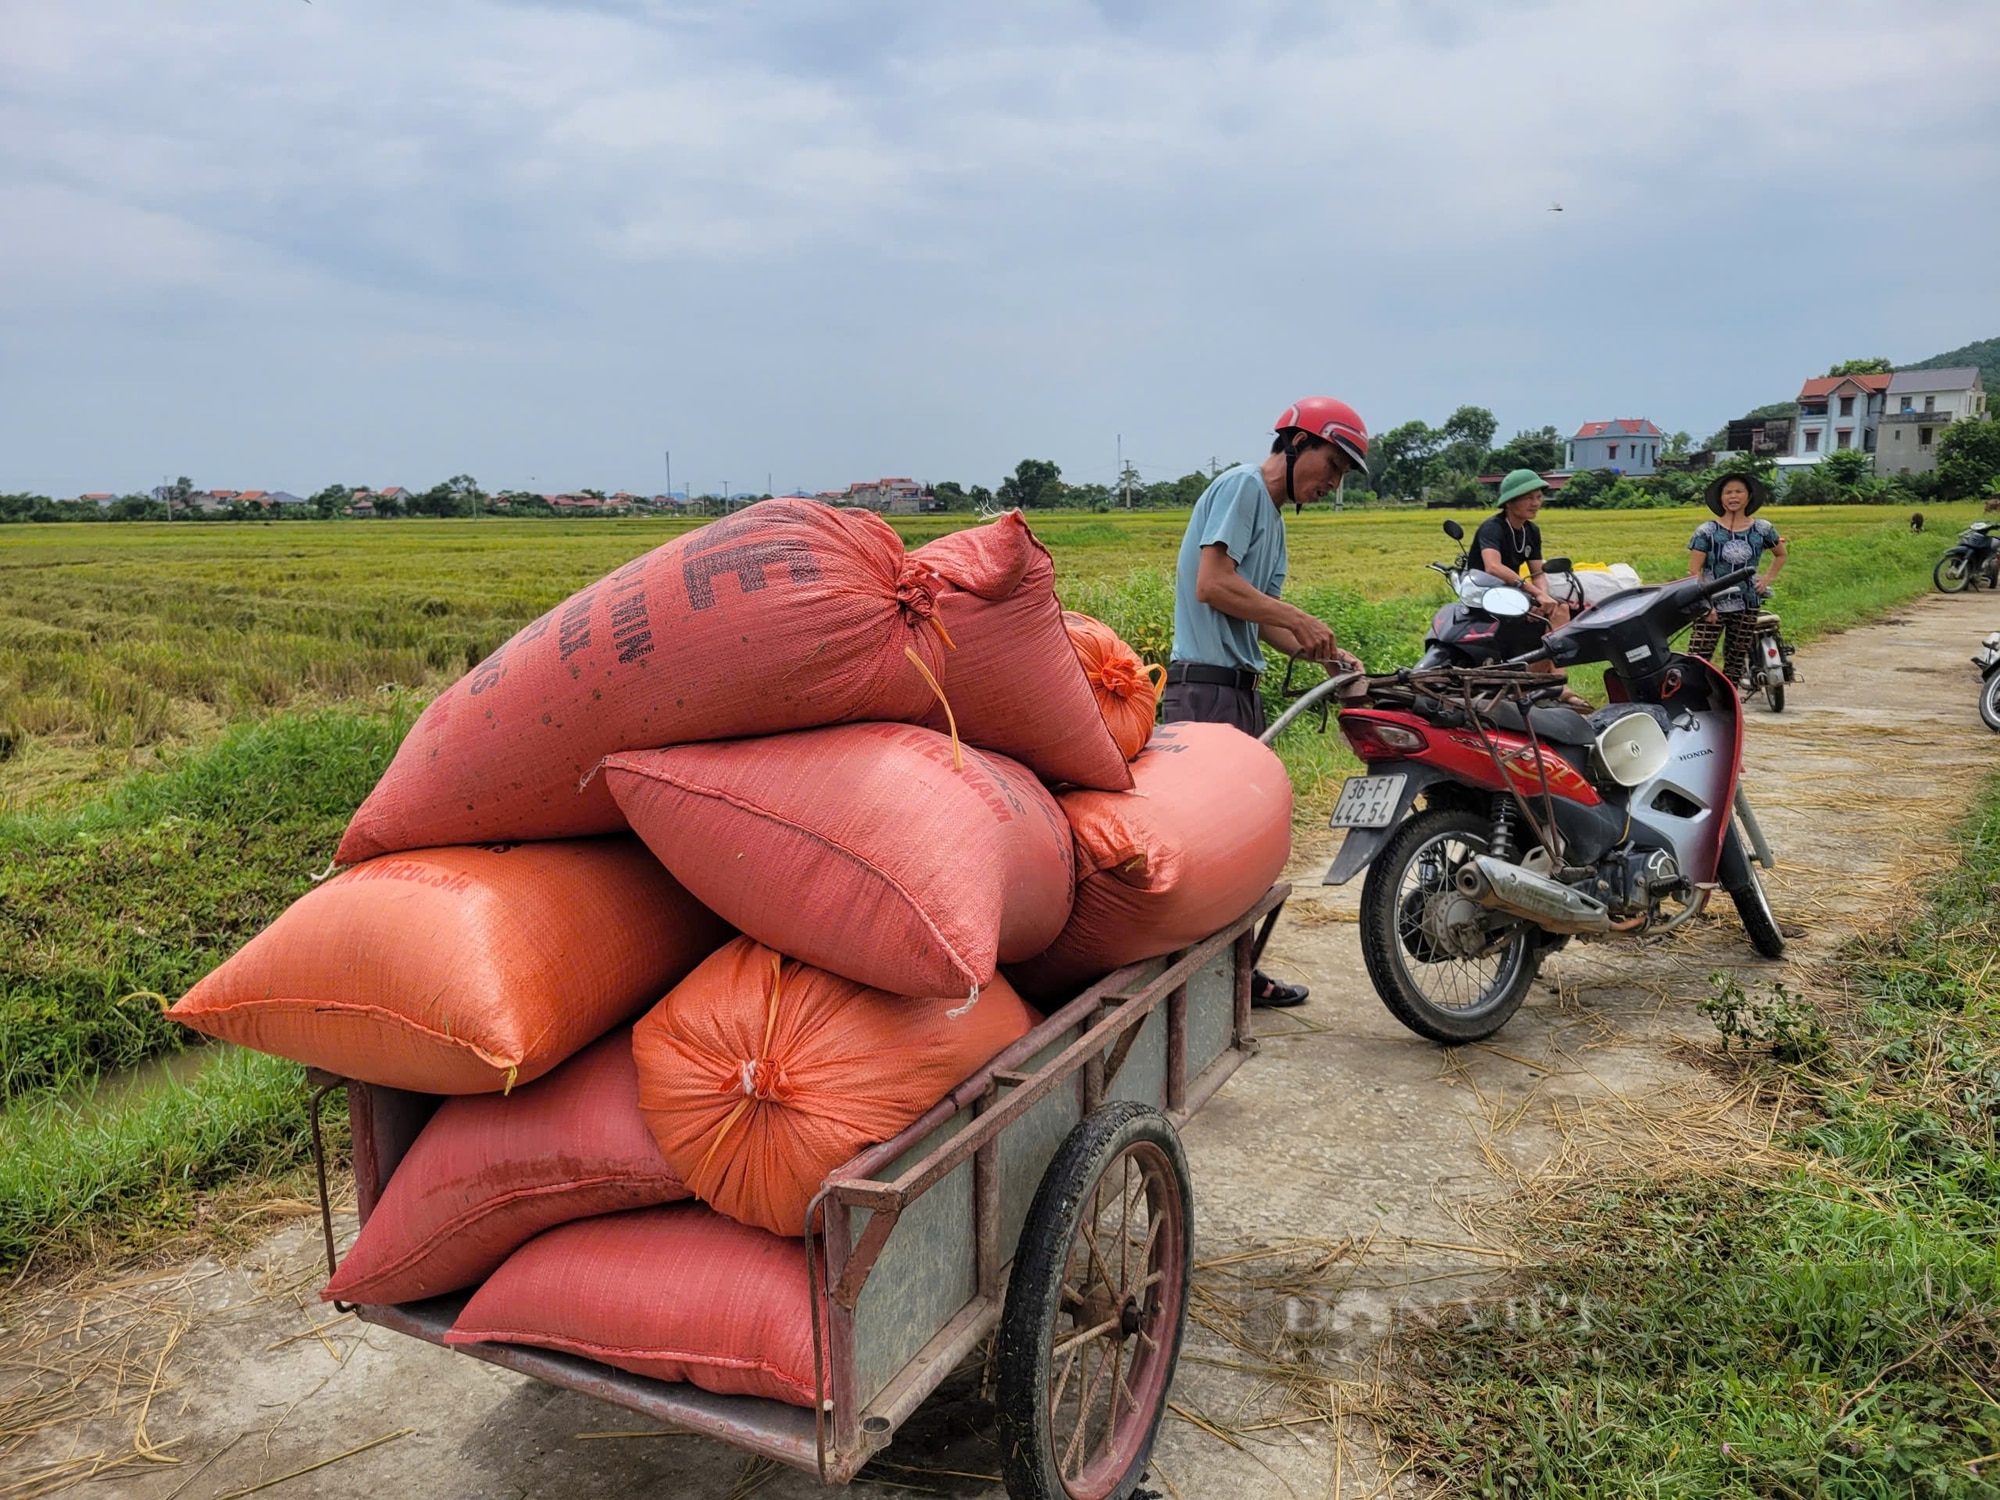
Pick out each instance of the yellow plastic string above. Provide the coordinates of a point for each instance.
(770, 1030)
(944, 635)
(957, 756)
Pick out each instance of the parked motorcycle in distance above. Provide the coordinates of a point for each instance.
(1538, 824)
(1770, 659)
(1988, 662)
(1973, 559)
(1488, 622)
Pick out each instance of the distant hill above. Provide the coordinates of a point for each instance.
(1985, 354)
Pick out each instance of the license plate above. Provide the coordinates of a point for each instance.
(1368, 801)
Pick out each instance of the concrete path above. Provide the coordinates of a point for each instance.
(1383, 1170)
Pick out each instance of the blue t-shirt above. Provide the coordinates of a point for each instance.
(1235, 510)
(1729, 550)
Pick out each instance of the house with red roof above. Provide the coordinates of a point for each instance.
(1839, 411)
(1625, 445)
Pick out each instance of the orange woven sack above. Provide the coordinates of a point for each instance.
(490, 1172)
(1013, 682)
(1127, 689)
(1190, 849)
(676, 1293)
(459, 971)
(759, 1075)
(871, 850)
(788, 615)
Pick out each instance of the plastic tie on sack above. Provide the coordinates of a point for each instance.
(970, 1001)
(950, 718)
(751, 1076)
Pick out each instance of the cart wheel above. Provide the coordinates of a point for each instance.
(1095, 1309)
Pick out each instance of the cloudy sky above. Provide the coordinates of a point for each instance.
(277, 243)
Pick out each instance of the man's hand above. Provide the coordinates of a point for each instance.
(1314, 637)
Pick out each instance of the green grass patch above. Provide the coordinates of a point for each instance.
(1832, 1332)
(109, 904)
(83, 1174)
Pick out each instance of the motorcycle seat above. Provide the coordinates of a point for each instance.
(1559, 726)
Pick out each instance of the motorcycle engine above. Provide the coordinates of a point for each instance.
(1632, 881)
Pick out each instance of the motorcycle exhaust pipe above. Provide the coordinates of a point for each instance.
(1549, 904)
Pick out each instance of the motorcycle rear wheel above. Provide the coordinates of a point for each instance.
(1951, 575)
(1989, 701)
(1774, 693)
(1450, 1000)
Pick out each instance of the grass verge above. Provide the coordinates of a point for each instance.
(1831, 1332)
(111, 903)
(113, 1171)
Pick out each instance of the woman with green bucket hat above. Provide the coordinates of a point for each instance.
(1735, 539)
(1510, 538)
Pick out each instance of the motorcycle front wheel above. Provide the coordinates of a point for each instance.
(1951, 575)
(1438, 994)
(1989, 701)
(1746, 890)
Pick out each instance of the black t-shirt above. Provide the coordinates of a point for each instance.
(1514, 547)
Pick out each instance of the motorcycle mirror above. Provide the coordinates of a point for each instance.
(1557, 565)
(1506, 603)
(1453, 530)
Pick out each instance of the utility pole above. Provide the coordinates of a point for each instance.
(670, 476)
(1121, 471)
(1214, 468)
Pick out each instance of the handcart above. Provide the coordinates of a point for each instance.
(1046, 1196)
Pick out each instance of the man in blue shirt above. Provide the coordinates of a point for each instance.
(1231, 576)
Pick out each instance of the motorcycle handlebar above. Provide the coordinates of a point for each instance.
(1726, 582)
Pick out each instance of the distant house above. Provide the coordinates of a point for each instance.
(1921, 404)
(98, 498)
(1838, 412)
(902, 497)
(1555, 478)
(285, 499)
(394, 493)
(1630, 445)
(1763, 437)
(362, 508)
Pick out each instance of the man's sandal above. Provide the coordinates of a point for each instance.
(1267, 993)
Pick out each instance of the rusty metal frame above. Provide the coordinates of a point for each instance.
(838, 1437)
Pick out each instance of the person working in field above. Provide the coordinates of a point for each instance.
(1733, 540)
(1230, 580)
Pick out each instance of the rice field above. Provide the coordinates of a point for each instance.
(118, 641)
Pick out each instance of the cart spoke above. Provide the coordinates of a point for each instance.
(1124, 1217)
(1118, 1387)
(1086, 1398)
(1085, 1335)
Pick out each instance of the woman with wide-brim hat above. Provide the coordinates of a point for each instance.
(1735, 539)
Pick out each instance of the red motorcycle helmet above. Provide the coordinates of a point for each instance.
(1332, 420)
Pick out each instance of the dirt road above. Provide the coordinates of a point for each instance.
(1389, 1167)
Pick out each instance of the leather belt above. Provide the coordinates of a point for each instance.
(1202, 672)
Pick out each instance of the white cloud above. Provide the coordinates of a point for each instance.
(953, 235)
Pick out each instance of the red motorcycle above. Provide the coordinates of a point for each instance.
(1536, 823)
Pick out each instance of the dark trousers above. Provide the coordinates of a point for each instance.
(1737, 630)
(1213, 703)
